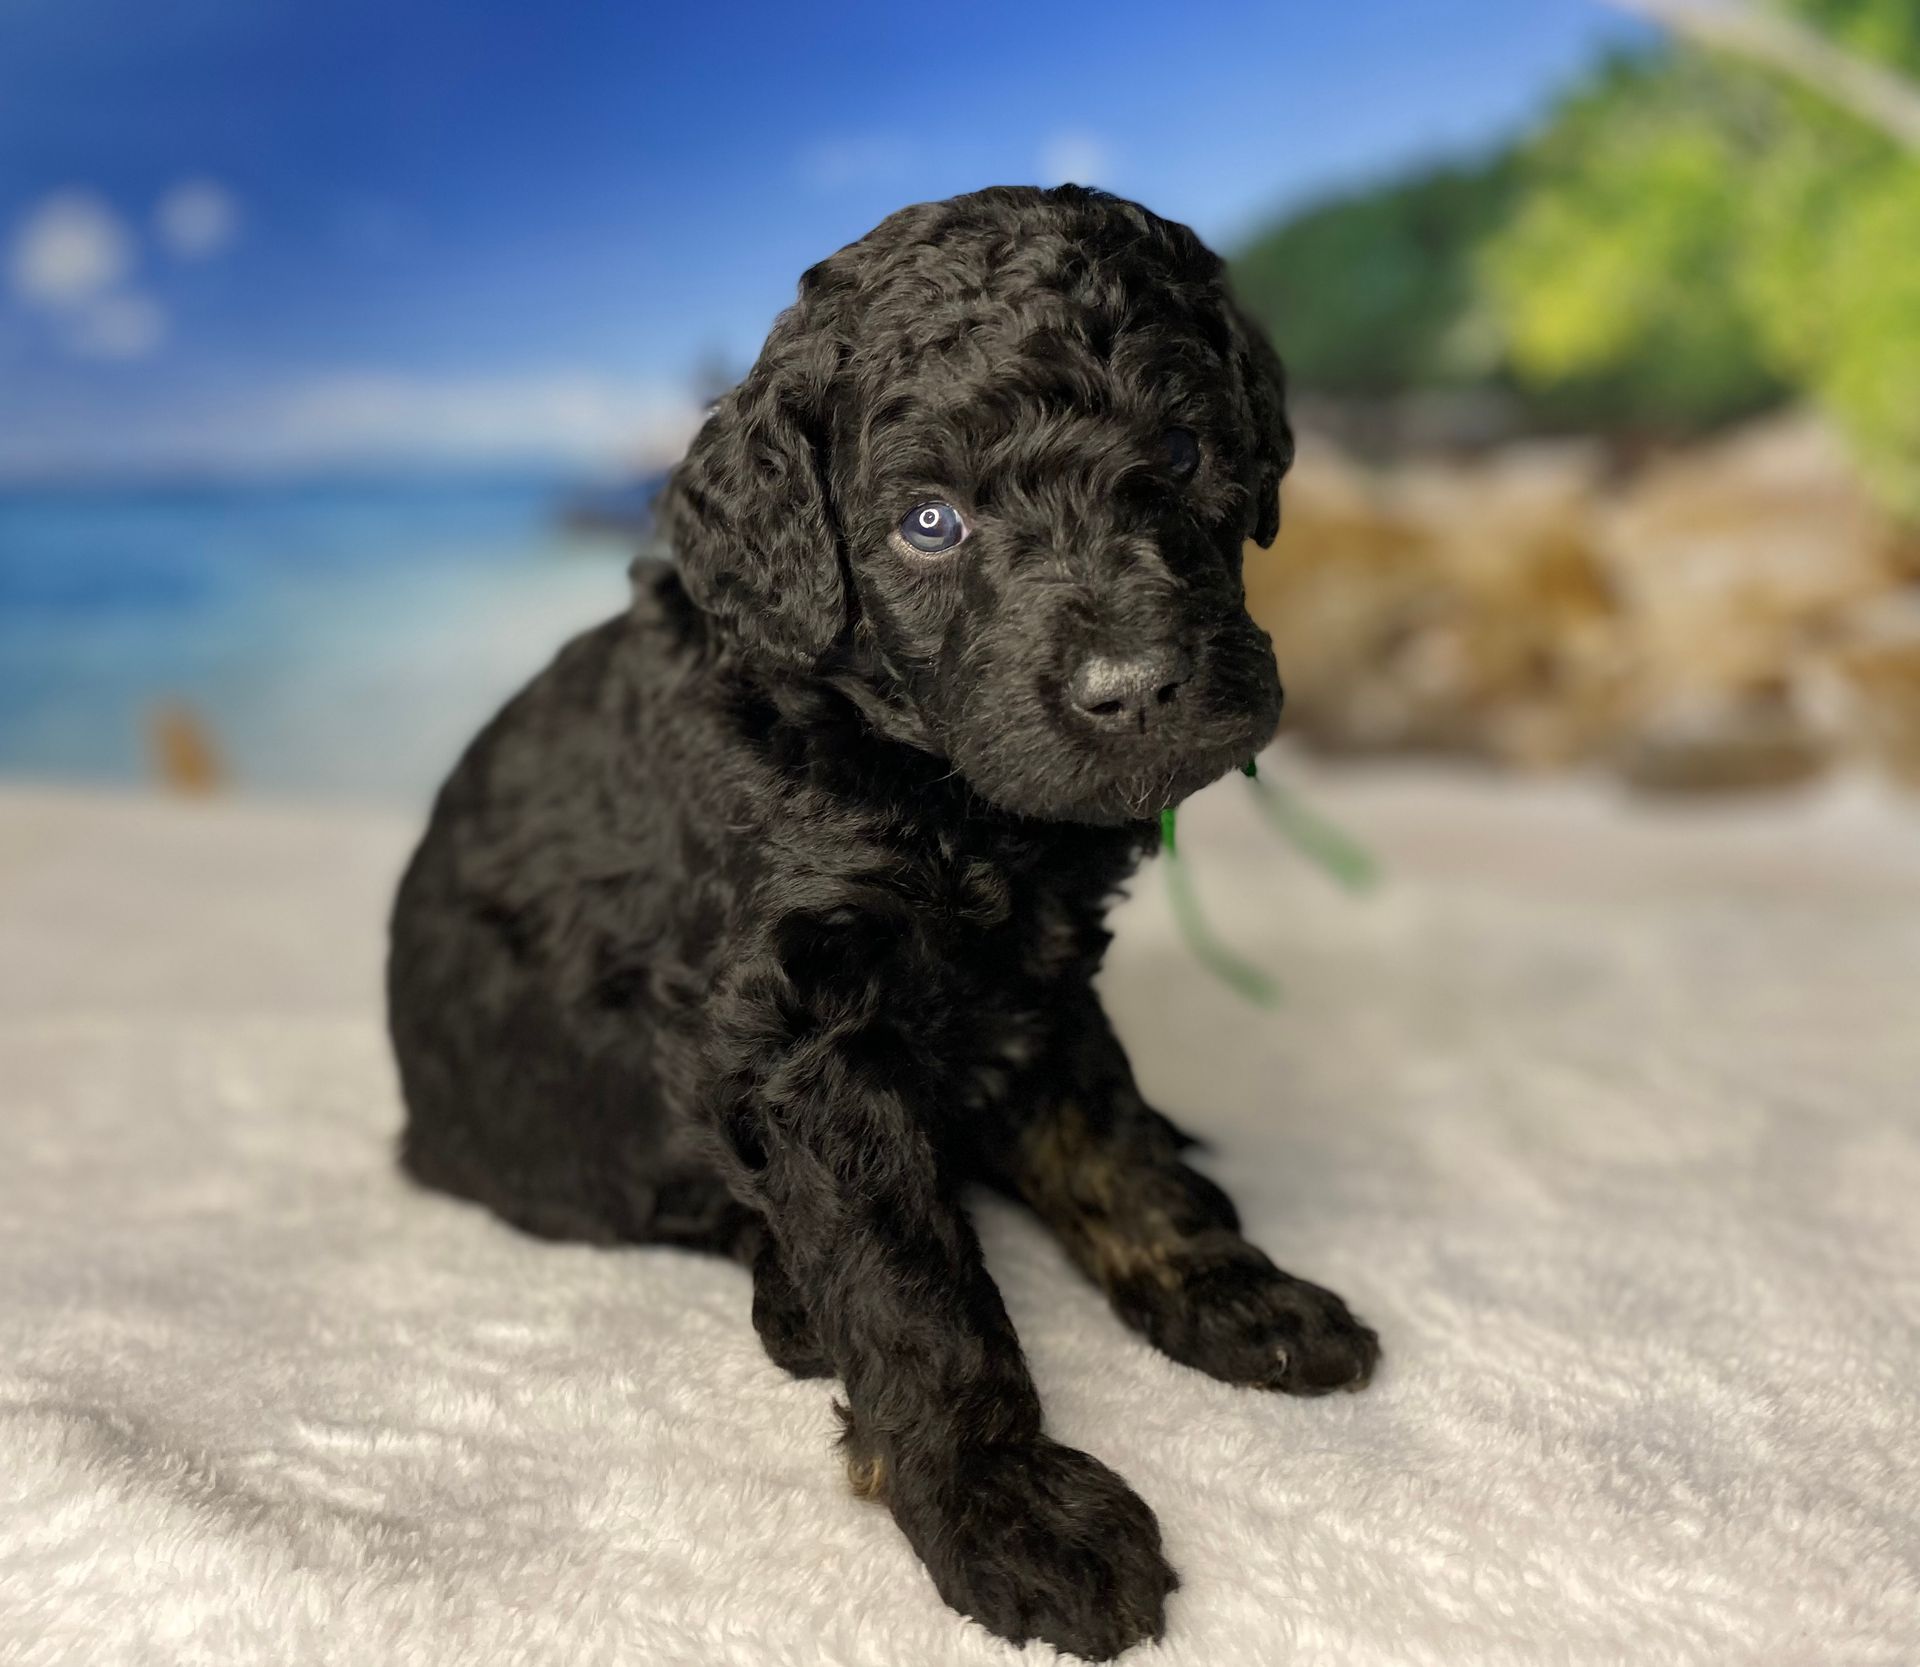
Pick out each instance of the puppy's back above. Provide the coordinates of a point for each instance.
(518, 1000)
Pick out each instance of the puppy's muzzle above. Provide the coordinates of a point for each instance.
(1130, 693)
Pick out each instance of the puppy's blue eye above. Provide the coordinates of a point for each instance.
(1180, 452)
(932, 528)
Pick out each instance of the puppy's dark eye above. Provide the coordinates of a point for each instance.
(932, 529)
(1180, 453)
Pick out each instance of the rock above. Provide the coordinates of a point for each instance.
(1716, 746)
(1879, 665)
(1698, 620)
(1444, 607)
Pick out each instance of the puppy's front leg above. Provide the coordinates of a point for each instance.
(1103, 1170)
(1031, 1538)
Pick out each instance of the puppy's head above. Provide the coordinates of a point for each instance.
(997, 465)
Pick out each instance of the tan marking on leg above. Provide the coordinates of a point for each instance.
(867, 1476)
(1079, 1187)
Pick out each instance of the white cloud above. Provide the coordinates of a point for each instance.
(1075, 158)
(842, 164)
(68, 249)
(564, 415)
(379, 419)
(125, 326)
(196, 219)
(71, 255)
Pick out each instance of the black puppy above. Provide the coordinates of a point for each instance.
(766, 919)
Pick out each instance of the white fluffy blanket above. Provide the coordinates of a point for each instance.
(1609, 1121)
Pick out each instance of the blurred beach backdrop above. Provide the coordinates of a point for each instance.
(341, 348)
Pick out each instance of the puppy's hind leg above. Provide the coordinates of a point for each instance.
(1103, 1170)
(780, 1314)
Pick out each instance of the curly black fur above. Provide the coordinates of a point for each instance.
(766, 918)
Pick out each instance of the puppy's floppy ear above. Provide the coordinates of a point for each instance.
(1265, 385)
(747, 509)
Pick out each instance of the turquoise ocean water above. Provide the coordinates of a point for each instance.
(337, 638)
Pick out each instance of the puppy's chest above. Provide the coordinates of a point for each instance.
(1013, 945)
(1003, 917)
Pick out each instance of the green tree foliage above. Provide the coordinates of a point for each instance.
(1378, 292)
(1694, 233)
(1886, 31)
(1687, 238)
(1617, 279)
(1834, 220)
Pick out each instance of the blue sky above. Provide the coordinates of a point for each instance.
(287, 233)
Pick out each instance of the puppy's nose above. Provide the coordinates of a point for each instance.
(1129, 691)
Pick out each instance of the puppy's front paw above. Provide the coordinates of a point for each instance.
(1231, 1313)
(1037, 1540)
